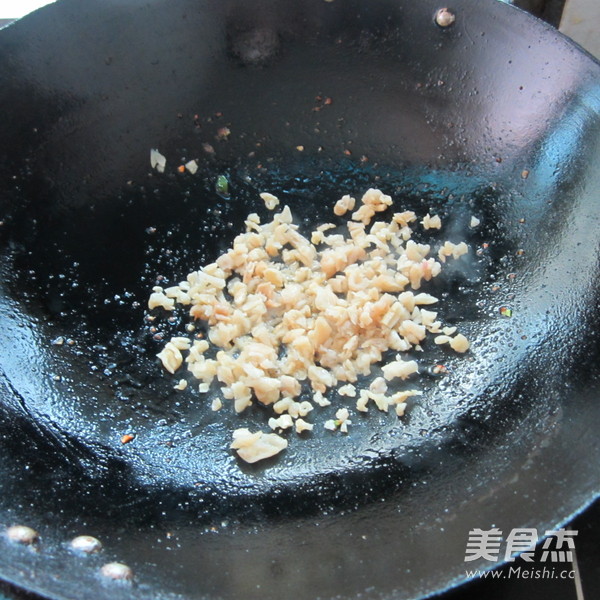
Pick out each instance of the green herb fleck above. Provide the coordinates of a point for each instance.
(222, 185)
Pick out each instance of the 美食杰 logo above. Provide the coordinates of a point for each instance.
(546, 561)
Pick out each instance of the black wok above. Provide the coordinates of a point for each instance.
(496, 116)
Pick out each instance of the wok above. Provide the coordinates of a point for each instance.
(496, 116)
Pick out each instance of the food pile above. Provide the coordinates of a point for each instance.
(286, 312)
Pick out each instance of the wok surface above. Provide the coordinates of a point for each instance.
(448, 119)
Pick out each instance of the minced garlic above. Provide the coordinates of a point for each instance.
(271, 202)
(430, 222)
(285, 311)
(253, 447)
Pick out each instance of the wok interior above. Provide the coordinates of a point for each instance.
(91, 270)
(437, 132)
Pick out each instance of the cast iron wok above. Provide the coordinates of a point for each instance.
(496, 116)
